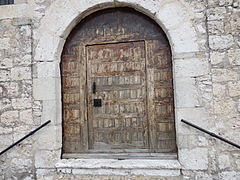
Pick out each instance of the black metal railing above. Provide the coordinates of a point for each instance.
(211, 134)
(29, 134)
(6, 2)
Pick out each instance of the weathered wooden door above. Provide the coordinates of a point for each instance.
(117, 81)
(117, 85)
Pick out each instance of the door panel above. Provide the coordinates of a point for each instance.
(118, 70)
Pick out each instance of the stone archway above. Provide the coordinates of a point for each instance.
(62, 16)
(127, 57)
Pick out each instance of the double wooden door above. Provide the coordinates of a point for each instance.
(117, 85)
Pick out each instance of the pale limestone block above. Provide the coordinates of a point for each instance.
(49, 138)
(49, 51)
(4, 75)
(186, 94)
(191, 67)
(26, 116)
(44, 89)
(13, 11)
(4, 42)
(229, 175)
(234, 56)
(223, 161)
(173, 11)
(9, 117)
(58, 10)
(194, 159)
(219, 90)
(116, 164)
(21, 103)
(224, 106)
(145, 6)
(198, 116)
(221, 42)
(222, 75)
(234, 88)
(184, 38)
(6, 63)
(46, 158)
(49, 111)
(216, 13)
(84, 5)
(47, 69)
(217, 57)
(21, 73)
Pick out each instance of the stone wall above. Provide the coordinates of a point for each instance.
(205, 41)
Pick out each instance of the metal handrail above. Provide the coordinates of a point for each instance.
(29, 134)
(211, 134)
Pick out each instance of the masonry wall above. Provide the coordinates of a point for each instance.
(205, 41)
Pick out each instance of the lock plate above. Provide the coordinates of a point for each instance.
(97, 102)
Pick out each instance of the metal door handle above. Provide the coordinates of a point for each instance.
(94, 88)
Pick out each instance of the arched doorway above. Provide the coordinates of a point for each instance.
(117, 90)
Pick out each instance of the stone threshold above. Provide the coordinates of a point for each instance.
(119, 167)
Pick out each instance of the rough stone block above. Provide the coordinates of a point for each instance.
(4, 43)
(21, 103)
(223, 75)
(10, 118)
(229, 175)
(5, 103)
(215, 27)
(6, 63)
(234, 88)
(223, 161)
(21, 73)
(224, 105)
(12, 89)
(216, 13)
(219, 90)
(233, 56)
(221, 42)
(4, 75)
(26, 116)
(217, 57)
